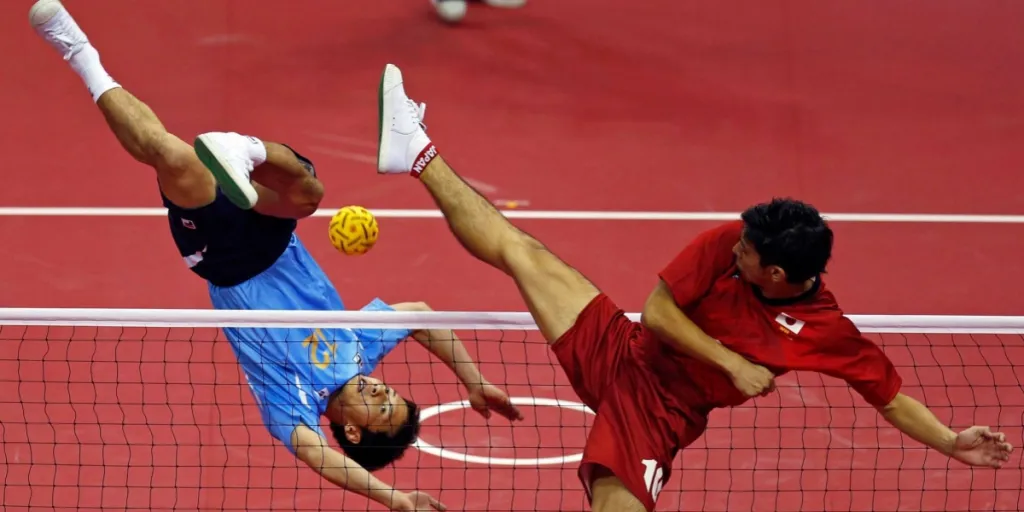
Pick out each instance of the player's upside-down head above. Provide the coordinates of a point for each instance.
(377, 426)
(785, 242)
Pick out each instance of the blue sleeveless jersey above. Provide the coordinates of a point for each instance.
(293, 372)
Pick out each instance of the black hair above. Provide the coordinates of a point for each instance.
(376, 450)
(790, 234)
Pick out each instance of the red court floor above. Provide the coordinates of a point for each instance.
(594, 105)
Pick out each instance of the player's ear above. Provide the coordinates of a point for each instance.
(353, 433)
(777, 274)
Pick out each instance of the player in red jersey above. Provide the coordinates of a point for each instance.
(740, 305)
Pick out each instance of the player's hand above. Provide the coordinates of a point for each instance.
(485, 397)
(751, 379)
(415, 501)
(979, 446)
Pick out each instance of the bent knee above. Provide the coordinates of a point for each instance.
(188, 189)
(170, 154)
(521, 251)
(306, 198)
(303, 209)
(531, 263)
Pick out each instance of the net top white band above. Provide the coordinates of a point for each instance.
(430, 320)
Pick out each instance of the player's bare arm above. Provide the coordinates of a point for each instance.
(976, 446)
(443, 344)
(867, 369)
(335, 467)
(662, 316)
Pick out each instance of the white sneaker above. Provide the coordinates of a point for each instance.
(403, 146)
(54, 23)
(451, 11)
(227, 157)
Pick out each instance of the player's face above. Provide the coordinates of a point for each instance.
(749, 263)
(384, 409)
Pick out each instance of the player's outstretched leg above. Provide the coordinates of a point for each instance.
(554, 292)
(291, 190)
(266, 176)
(182, 179)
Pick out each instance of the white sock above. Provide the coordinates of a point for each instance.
(257, 150)
(86, 62)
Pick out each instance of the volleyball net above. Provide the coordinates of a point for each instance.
(149, 410)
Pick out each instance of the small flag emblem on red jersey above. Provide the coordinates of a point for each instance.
(789, 324)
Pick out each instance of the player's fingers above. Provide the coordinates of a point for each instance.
(437, 505)
(511, 412)
(482, 410)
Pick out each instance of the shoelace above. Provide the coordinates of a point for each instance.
(419, 112)
(61, 31)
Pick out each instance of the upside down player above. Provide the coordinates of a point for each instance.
(740, 305)
(250, 257)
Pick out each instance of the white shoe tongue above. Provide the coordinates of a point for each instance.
(421, 114)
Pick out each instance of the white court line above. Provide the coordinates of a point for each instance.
(33, 211)
(537, 214)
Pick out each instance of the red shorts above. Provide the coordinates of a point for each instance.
(638, 429)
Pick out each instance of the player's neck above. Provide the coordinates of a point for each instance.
(339, 409)
(336, 403)
(787, 290)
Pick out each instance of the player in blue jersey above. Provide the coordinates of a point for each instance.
(240, 238)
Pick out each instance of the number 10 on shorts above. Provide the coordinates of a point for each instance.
(653, 477)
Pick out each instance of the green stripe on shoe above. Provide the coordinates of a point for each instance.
(223, 175)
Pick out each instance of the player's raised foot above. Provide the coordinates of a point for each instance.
(450, 11)
(227, 156)
(403, 146)
(54, 23)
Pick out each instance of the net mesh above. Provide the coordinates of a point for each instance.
(160, 418)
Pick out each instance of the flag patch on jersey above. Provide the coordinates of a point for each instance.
(789, 324)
